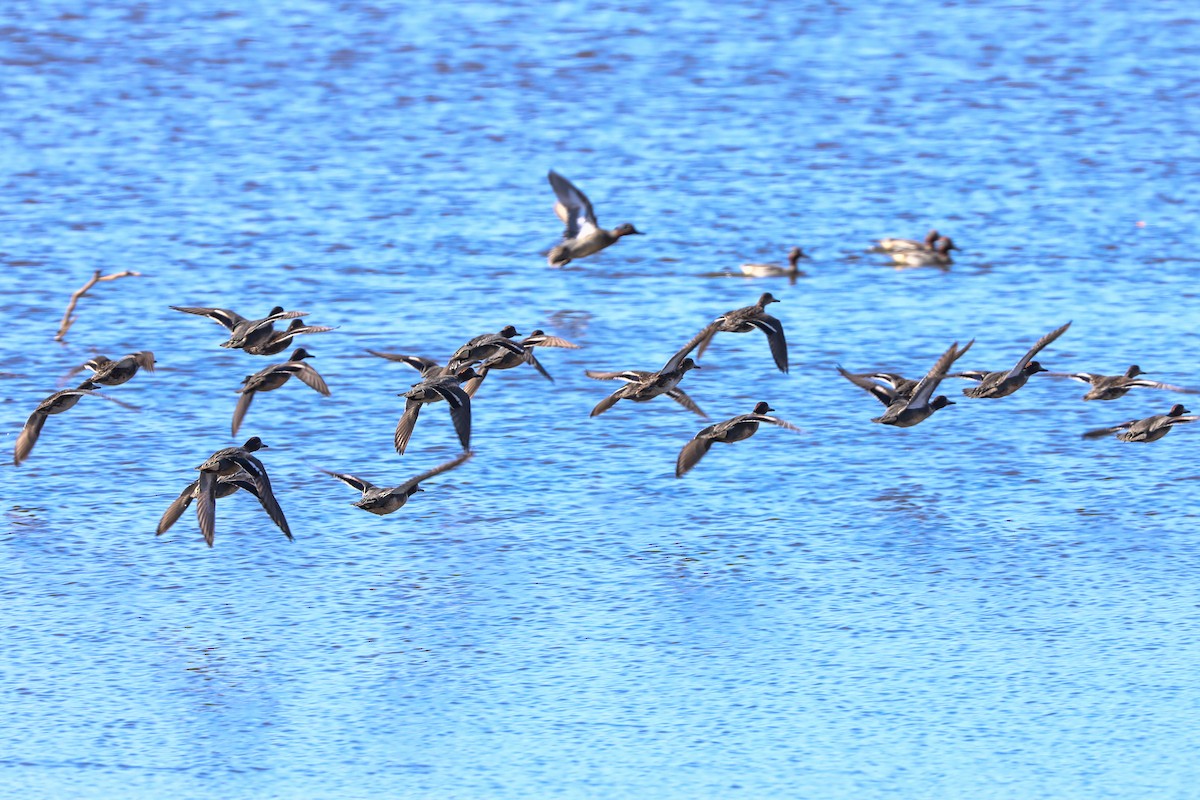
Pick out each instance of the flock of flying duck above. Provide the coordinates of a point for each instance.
(907, 402)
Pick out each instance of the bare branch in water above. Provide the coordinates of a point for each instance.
(68, 320)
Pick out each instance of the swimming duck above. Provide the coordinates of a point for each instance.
(107, 372)
(886, 387)
(906, 413)
(272, 378)
(229, 462)
(484, 346)
(505, 358)
(744, 320)
(446, 386)
(282, 340)
(897, 245)
(792, 270)
(641, 386)
(1110, 387)
(382, 501)
(57, 403)
(243, 332)
(1150, 429)
(731, 430)
(226, 485)
(1005, 382)
(583, 235)
(937, 256)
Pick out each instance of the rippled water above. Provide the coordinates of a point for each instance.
(982, 606)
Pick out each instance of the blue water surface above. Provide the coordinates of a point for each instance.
(982, 606)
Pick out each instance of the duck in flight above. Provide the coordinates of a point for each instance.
(272, 378)
(583, 235)
(731, 430)
(1002, 383)
(1110, 387)
(904, 413)
(1150, 429)
(380, 500)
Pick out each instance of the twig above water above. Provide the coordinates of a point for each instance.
(68, 320)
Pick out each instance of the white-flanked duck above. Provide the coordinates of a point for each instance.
(906, 413)
(243, 332)
(731, 430)
(936, 256)
(272, 378)
(1110, 387)
(1005, 382)
(229, 462)
(444, 386)
(792, 270)
(380, 500)
(744, 320)
(57, 403)
(583, 235)
(899, 245)
(1150, 429)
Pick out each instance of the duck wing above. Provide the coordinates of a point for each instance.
(881, 393)
(405, 425)
(311, 378)
(679, 396)
(928, 384)
(773, 328)
(28, 436)
(438, 470)
(351, 481)
(608, 402)
(701, 340)
(222, 316)
(628, 375)
(691, 454)
(1037, 347)
(266, 497)
(239, 411)
(1157, 385)
(532, 361)
(1100, 433)
(460, 410)
(177, 507)
(573, 207)
(422, 365)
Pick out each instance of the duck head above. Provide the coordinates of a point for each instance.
(1133, 371)
(300, 354)
(767, 299)
(687, 364)
(1177, 410)
(941, 401)
(254, 443)
(626, 229)
(508, 331)
(795, 254)
(762, 408)
(1033, 367)
(931, 237)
